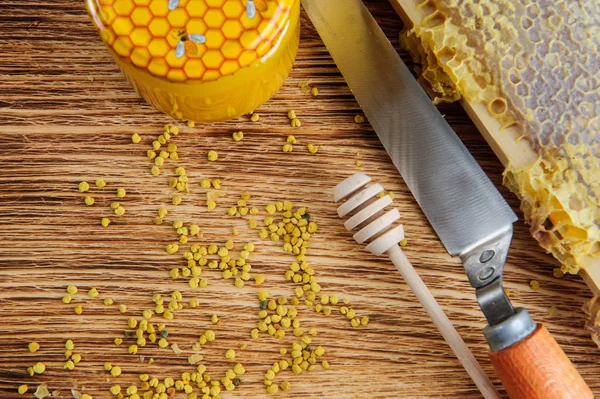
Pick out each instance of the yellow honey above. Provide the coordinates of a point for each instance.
(201, 60)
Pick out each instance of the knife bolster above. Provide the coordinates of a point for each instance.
(484, 265)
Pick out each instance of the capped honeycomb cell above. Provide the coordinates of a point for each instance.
(232, 49)
(159, 8)
(141, 36)
(140, 56)
(178, 18)
(158, 48)
(159, 27)
(194, 68)
(232, 29)
(123, 7)
(213, 59)
(233, 9)
(214, 18)
(214, 39)
(196, 9)
(141, 16)
(122, 26)
(158, 67)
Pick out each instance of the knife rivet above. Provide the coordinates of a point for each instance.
(486, 273)
(486, 256)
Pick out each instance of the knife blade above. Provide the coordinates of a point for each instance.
(463, 206)
(459, 200)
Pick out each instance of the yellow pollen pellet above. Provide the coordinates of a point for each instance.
(403, 242)
(191, 124)
(151, 154)
(118, 341)
(115, 390)
(83, 186)
(71, 289)
(78, 309)
(359, 119)
(93, 292)
(67, 299)
(39, 368)
(291, 139)
(89, 201)
(210, 204)
(534, 284)
(174, 130)
(230, 354)
(133, 349)
(33, 347)
(122, 308)
(205, 183)
(358, 163)
(325, 364)
(287, 147)
(135, 138)
(254, 117)
(159, 161)
(259, 279)
(119, 211)
(121, 192)
(115, 371)
(295, 122)
(557, 272)
(155, 170)
(22, 389)
(312, 148)
(100, 183)
(212, 155)
(177, 200)
(237, 136)
(69, 365)
(291, 114)
(314, 91)
(216, 184)
(272, 389)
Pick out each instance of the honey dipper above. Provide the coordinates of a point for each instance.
(376, 229)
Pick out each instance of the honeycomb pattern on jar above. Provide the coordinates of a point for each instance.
(192, 39)
(536, 66)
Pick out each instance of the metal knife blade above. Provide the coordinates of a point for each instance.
(459, 200)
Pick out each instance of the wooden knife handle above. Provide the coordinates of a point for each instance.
(537, 368)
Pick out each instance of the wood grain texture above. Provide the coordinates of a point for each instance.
(59, 128)
(537, 368)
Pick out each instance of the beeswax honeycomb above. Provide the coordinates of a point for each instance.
(536, 66)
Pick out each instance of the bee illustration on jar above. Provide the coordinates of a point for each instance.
(187, 43)
(253, 5)
(173, 4)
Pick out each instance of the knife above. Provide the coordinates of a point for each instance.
(467, 212)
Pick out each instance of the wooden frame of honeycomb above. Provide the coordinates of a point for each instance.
(536, 102)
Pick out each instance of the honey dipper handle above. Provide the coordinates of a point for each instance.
(537, 368)
(438, 316)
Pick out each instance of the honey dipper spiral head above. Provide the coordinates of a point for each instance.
(367, 213)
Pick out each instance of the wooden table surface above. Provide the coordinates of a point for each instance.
(67, 114)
